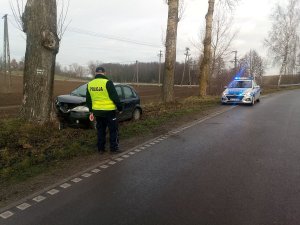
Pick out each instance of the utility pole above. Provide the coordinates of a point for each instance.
(159, 66)
(137, 71)
(235, 61)
(187, 55)
(6, 54)
(189, 69)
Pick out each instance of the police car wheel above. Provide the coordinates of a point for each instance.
(136, 115)
(258, 100)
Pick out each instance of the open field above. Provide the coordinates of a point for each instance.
(9, 102)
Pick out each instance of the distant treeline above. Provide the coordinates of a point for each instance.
(286, 79)
(137, 72)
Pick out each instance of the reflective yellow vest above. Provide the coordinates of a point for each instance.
(99, 95)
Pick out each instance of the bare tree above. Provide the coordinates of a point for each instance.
(77, 69)
(42, 44)
(38, 19)
(170, 55)
(222, 37)
(63, 6)
(18, 7)
(298, 64)
(92, 66)
(283, 39)
(205, 66)
(255, 64)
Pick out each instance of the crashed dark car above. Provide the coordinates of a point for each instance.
(71, 109)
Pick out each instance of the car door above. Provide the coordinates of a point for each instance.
(121, 97)
(129, 101)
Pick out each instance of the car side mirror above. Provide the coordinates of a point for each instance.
(257, 86)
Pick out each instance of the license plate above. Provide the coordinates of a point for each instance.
(235, 99)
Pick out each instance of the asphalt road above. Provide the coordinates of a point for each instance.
(241, 167)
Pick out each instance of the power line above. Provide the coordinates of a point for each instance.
(112, 37)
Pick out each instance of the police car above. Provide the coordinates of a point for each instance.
(242, 90)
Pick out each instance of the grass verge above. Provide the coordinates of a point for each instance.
(27, 150)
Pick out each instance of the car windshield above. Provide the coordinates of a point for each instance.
(240, 84)
(80, 91)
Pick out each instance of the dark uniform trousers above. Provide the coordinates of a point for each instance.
(110, 122)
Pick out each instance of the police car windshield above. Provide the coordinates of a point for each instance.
(80, 91)
(240, 84)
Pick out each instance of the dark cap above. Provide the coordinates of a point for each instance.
(100, 69)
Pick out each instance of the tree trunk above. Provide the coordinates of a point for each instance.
(283, 65)
(40, 26)
(170, 55)
(206, 61)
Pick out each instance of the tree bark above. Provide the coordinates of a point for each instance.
(206, 61)
(170, 56)
(42, 45)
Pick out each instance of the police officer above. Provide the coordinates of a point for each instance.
(103, 101)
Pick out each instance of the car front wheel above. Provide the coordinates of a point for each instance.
(136, 115)
(253, 101)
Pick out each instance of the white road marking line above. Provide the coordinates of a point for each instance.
(125, 156)
(147, 145)
(137, 150)
(96, 170)
(152, 143)
(23, 206)
(131, 153)
(104, 166)
(76, 180)
(112, 162)
(53, 191)
(142, 148)
(119, 159)
(39, 198)
(160, 139)
(65, 185)
(6, 214)
(156, 141)
(86, 175)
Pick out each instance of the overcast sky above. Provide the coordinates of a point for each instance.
(124, 31)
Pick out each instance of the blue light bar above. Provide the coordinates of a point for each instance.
(243, 78)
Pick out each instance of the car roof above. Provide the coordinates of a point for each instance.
(120, 84)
